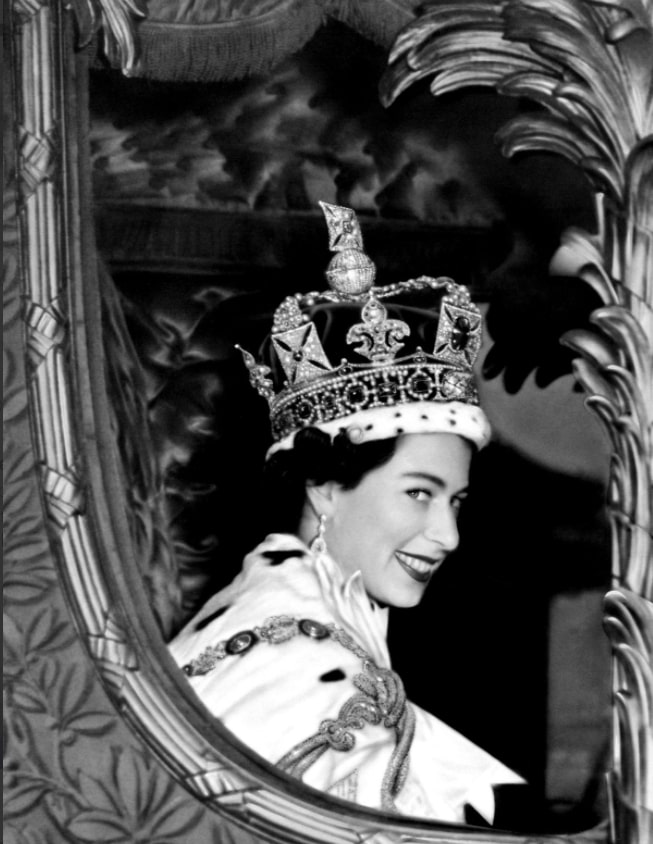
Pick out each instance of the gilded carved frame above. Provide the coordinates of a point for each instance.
(589, 63)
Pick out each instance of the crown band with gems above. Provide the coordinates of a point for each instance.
(364, 388)
(309, 390)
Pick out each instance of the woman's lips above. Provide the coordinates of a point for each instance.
(420, 568)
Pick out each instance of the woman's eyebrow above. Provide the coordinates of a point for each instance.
(426, 476)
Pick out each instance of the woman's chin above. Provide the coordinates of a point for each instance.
(403, 596)
(409, 601)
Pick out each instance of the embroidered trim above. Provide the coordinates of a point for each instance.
(380, 699)
(274, 631)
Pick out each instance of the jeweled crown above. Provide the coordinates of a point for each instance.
(314, 390)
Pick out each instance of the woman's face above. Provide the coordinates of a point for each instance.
(398, 525)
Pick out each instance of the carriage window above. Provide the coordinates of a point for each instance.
(206, 209)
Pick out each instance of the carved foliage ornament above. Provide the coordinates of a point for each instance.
(116, 20)
(590, 64)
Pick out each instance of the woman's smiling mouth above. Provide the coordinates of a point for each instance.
(418, 567)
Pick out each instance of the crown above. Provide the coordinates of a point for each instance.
(375, 390)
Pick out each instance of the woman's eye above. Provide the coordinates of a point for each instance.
(420, 494)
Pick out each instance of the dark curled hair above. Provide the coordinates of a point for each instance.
(315, 459)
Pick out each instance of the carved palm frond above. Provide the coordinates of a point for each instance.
(589, 65)
(629, 622)
(588, 62)
(115, 19)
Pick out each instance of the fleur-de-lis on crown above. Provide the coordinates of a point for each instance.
(379, 337)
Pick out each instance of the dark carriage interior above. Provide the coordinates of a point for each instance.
(205, 200)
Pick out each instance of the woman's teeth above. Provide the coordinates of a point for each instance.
(417, 568)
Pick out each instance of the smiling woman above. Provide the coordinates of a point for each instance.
(99, 486)
(380, 446)
(401, 517)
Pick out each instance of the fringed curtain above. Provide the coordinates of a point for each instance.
(211, 40)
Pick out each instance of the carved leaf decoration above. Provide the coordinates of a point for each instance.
(27, 699)
(96, 793)
(629, 620)
(25, 796)
(590, 64)
(579, 254)
(26, 585)
(115, 19)
(620, 388)
(86, 19)
(47, 632)
(12, 647)
(135, 796)
(96, 826)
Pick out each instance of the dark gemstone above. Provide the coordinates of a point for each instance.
(328, 401)
(313, 629)
(355, 395)
(304, 410)
(387, 391)
(298, 355)
(188, 669)
(240, 643)
(421, 385)
(460, 334)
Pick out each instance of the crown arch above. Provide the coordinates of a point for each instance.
(83, 480)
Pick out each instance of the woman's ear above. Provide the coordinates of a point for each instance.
(322, 497)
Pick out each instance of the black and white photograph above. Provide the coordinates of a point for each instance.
(328, 421)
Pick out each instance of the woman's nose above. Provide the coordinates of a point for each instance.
(442, 527)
